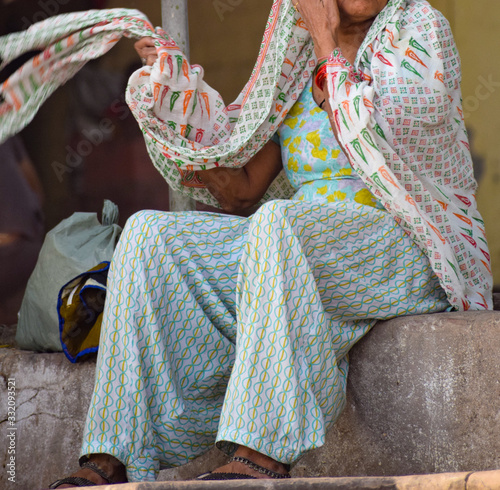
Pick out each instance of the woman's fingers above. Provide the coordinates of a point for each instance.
(146, 50)
(319, 12)
(322, 19)
(150, 60)
(144, 43)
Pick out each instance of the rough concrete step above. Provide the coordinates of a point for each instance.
(423, 398)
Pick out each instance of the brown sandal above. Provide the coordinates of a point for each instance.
(240, 476)
(78, 481)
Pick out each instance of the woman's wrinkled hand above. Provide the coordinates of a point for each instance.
(146, 50)
(322, 19)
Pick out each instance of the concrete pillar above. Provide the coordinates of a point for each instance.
(174, 15)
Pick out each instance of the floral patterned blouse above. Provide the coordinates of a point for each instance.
(313, 160)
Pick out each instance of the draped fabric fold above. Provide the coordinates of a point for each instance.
(399, 117)
(397, 111)
(66, 42)
(187, 126)
(185, 123)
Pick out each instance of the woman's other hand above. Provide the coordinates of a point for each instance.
(322, 19)
(146, 50)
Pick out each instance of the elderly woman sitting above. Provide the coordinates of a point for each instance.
(235, 331)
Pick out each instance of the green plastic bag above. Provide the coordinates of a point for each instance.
(74, 246)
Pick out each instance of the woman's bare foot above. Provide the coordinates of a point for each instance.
(113, 468)
(255, 457)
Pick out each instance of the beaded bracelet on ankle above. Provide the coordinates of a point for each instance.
(256, 467)
(92, 466)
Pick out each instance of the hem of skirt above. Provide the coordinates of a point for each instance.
(225, 440)
(133, 476)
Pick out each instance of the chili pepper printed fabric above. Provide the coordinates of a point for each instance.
(397, 110)
(399, 117)
(266, 306)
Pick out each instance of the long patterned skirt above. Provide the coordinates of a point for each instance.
(236, 330)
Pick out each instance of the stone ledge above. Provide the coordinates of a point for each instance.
(448, 481)
(423, 397)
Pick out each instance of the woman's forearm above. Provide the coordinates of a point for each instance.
(229, 186)
(237, 189)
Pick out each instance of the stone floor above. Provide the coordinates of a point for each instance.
(489, 480)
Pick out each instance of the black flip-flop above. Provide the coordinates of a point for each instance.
(83, 482)
(73, 480)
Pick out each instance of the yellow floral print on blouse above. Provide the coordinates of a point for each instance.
(313, 159)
